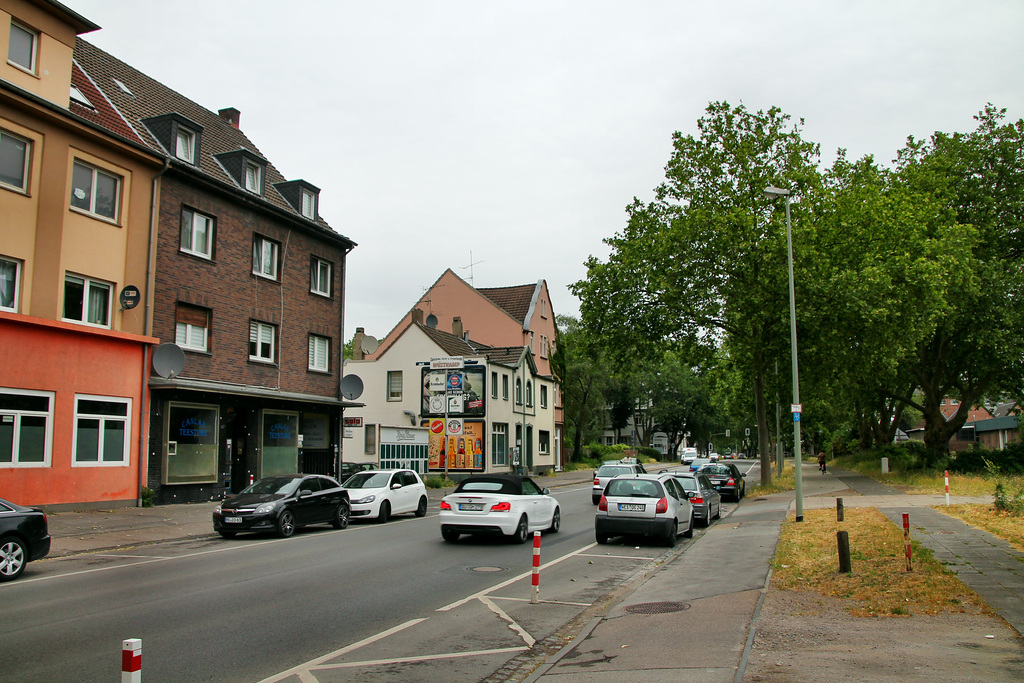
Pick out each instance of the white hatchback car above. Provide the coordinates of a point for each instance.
(498, 504)
(381, 493)
(644, 504)
(613, 468)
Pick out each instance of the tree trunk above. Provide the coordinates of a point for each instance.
(761, 415)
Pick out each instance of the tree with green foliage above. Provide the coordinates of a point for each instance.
(578, 364)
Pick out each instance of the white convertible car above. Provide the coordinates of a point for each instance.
(498, 504)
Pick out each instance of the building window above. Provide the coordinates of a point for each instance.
(494, 385)
(529, 393)
(185, 145)
(102, 430)
(319, 353)
(264, 257)
(543, 396)
(261, 342)
(86, 301)
(531, 340)
(14, 156)
(78, 98)
(519, 391)
(394, 385)
(253, 176)
(543, 441)
(192, 328)
(192, 444)
(320, 277)
(23, 49)
(504, 387)
(499, 444)
(196, 234)
(9, 284)
(370, 440)
(26, 419)
(94, 192)
(543, 346)
(308, 205)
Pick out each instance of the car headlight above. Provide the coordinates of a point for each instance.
(266, 507)
(364, 501)
(216, 510)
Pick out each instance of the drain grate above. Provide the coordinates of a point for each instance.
(486, 569)
(657, 607)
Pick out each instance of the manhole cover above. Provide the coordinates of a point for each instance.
(657, 607)
(487, 569)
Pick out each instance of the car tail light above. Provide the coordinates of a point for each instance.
(662, 505)
(597, 482)
(697, 501)
(445, 505)
(731, 482)
(603, 505)
(501, 507)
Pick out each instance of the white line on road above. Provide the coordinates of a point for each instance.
(608, 556)
(543, 602)
(512, 623)
(419, 658)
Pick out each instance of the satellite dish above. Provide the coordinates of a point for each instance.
(370, 344)
(351, 387)
(168, 360)
(431, 320)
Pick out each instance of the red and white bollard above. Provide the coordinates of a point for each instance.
(536, 567)
(131, 660)
(906, 537)
(250, 479)
(947, 488)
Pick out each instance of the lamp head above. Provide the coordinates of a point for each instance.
(776, 191)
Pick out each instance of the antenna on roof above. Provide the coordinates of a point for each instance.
(470, 266)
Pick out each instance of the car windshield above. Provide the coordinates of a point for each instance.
(633, 488)
(506, 487)
(715, 469)
(368, 480)
(613, 470)
(275, 485)
(688, 483)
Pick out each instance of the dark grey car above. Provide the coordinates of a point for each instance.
(705, 499)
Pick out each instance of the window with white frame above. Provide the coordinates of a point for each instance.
(86, 300)
(196, 233)
(519, 391)
(10, 272)
(494, 385)
(308, 205)
(253, 176)
(543, 346)
(370, 440)
(94, 192)
(102, 431)
(499, 444)
(394, 385)
(529, 393)
(23, 48)
(262, 338)
(543, 441)
(192, 328)
(319, 353)
(14, 156)
(320, 277)
(185, 145)
(26, 427)
(543, 396)
(264, 257)
(531, 341)
(504, 387)
(78, 97)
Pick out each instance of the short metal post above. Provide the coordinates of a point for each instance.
(840, 516)
(947, 488)
(536, 567)
(843, 539)
(131, 660)
(906, 538)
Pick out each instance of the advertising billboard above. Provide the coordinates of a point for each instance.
(461, 445)
(454, 392)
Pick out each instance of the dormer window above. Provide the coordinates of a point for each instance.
(252, 177)
(246, 168)
(23, 49)
(179, 135)
(308, 205)
(302, 196)
(185, 145)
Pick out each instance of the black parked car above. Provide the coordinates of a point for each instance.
(349, 468)
(284, 503)
(24, 537)
(727, 478)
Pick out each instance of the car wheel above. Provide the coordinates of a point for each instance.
(12, 558)
(522, 531)
(595, 499)
(227, 534)
(449, 535)
(689, 531)
(601, 538)
(421, 509)
(286, 524)
(341, 517)
(556, 522)
(670, 538)
(706, 519)
(385, 512)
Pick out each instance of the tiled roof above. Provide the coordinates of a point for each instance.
(452, 345)
(103, 112)
(505, 355)
(149, 98)
(514, 300)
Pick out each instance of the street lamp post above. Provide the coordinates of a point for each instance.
(797, 408)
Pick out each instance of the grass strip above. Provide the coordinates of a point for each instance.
(1002, 524)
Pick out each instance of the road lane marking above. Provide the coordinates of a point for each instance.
(546, 602)
(302, 668)
(608, 556)
(418, 658)
(512, 623)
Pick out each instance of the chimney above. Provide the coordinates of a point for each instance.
(457, 326)
(357, 344)
(231, 115)
(417, 316)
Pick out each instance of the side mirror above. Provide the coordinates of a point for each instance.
(396, 486)
(305, 494)
(546, 492)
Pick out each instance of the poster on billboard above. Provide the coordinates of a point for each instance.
(465, 446)
(461, 391)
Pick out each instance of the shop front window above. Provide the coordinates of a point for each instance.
(191, 453)
(280, 454)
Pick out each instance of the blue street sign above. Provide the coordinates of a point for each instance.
(796, 417)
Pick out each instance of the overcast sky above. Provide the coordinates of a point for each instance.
(519, 131)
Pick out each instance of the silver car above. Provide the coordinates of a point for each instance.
(612, 469)
(644, 504)
(705, 499)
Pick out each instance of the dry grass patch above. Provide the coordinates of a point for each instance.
(1002, 524)
(785, 482)
(926, 482)
(808, 559)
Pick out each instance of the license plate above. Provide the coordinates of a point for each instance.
(631, 507)
(233, 520)
(471, 507)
